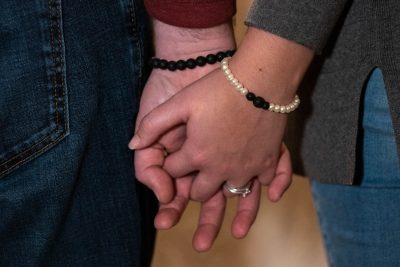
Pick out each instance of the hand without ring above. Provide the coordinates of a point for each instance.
(240, 190)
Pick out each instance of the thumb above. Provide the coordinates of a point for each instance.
(161, 119)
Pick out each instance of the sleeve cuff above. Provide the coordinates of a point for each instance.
(307, 22)
(192, 13)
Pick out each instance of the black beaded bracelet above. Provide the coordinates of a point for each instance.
(190, 63)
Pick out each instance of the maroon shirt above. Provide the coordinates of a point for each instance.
(191, 13)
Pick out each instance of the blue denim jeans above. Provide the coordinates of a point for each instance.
(70, 78)
(361, 223)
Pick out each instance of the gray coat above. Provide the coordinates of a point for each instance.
(351, 38)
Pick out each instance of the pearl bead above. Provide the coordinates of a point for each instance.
(244, 91)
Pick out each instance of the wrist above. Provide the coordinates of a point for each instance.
(258, 101)
(270, 66)
(172, 42)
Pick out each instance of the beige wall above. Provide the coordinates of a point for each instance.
(284, 235)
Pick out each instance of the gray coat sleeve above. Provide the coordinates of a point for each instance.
(307, 22)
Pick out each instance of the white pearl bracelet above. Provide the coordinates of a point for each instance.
(258, 101)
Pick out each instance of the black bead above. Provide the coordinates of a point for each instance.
(171, 65)
(201, 61)
(155, 62)
(221, 56)
(230, 53)
(211, 58)
(265, 105)
(191, 63)
(258, 102)
(250, 96)
(181, 64)
(163, 64)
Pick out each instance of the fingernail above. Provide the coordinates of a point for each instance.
(276, 197)
(133, 144)
(158, 198)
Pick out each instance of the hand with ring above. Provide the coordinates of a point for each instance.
(239, 190)
(213, 136)
(212, 211)
(226, 140)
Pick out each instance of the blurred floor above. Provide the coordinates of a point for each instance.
(285, 234)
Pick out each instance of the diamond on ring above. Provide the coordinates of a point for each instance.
(240, 190)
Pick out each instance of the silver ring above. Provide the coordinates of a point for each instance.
(165, 153)
(240, 190)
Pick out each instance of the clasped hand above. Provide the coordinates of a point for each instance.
(212, 135)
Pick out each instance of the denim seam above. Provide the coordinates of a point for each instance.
(21, 153)
(55, 56)
(134, 32)
(31, 156)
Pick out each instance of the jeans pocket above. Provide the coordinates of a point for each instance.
(33, 90)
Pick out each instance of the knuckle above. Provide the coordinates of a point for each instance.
(196, 197)
(140, 176)
(147, 124)
(266, 177)
(226, 169)
(270, 163)
(198, 158)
